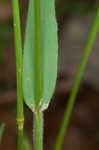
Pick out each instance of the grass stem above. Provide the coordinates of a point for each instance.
(20, 139)
(38, 131)
(68, 111)
(18, 46)
(38, 118)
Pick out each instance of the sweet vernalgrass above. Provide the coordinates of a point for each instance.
(71, 101)
(40, 67)
(40, 62)
(38, 115)
(18, 46)
(40, 54)
(38, 131)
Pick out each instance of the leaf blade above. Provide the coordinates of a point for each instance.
(49, 54)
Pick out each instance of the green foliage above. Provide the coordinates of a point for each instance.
(1, 131)
(38, 131)
(48, 45)
(40, 66)
(18, 46)
(81, 68)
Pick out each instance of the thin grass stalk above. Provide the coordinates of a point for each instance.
(38, 116)
(20, 139)
(18, 46)
(38, 131)
(71, 101)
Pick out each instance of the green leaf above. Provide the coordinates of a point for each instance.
(1, 131)
(48, 54)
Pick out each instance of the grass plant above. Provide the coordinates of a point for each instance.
(37, 67)
(81, 68)
(40, 62)
(18, 46)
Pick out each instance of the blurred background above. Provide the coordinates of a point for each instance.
(74, 19)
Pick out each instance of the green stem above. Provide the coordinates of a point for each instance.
(37, 53)
(38, 123)
(18, 46)
(38, 131)
(20, 139)
(79, 75)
